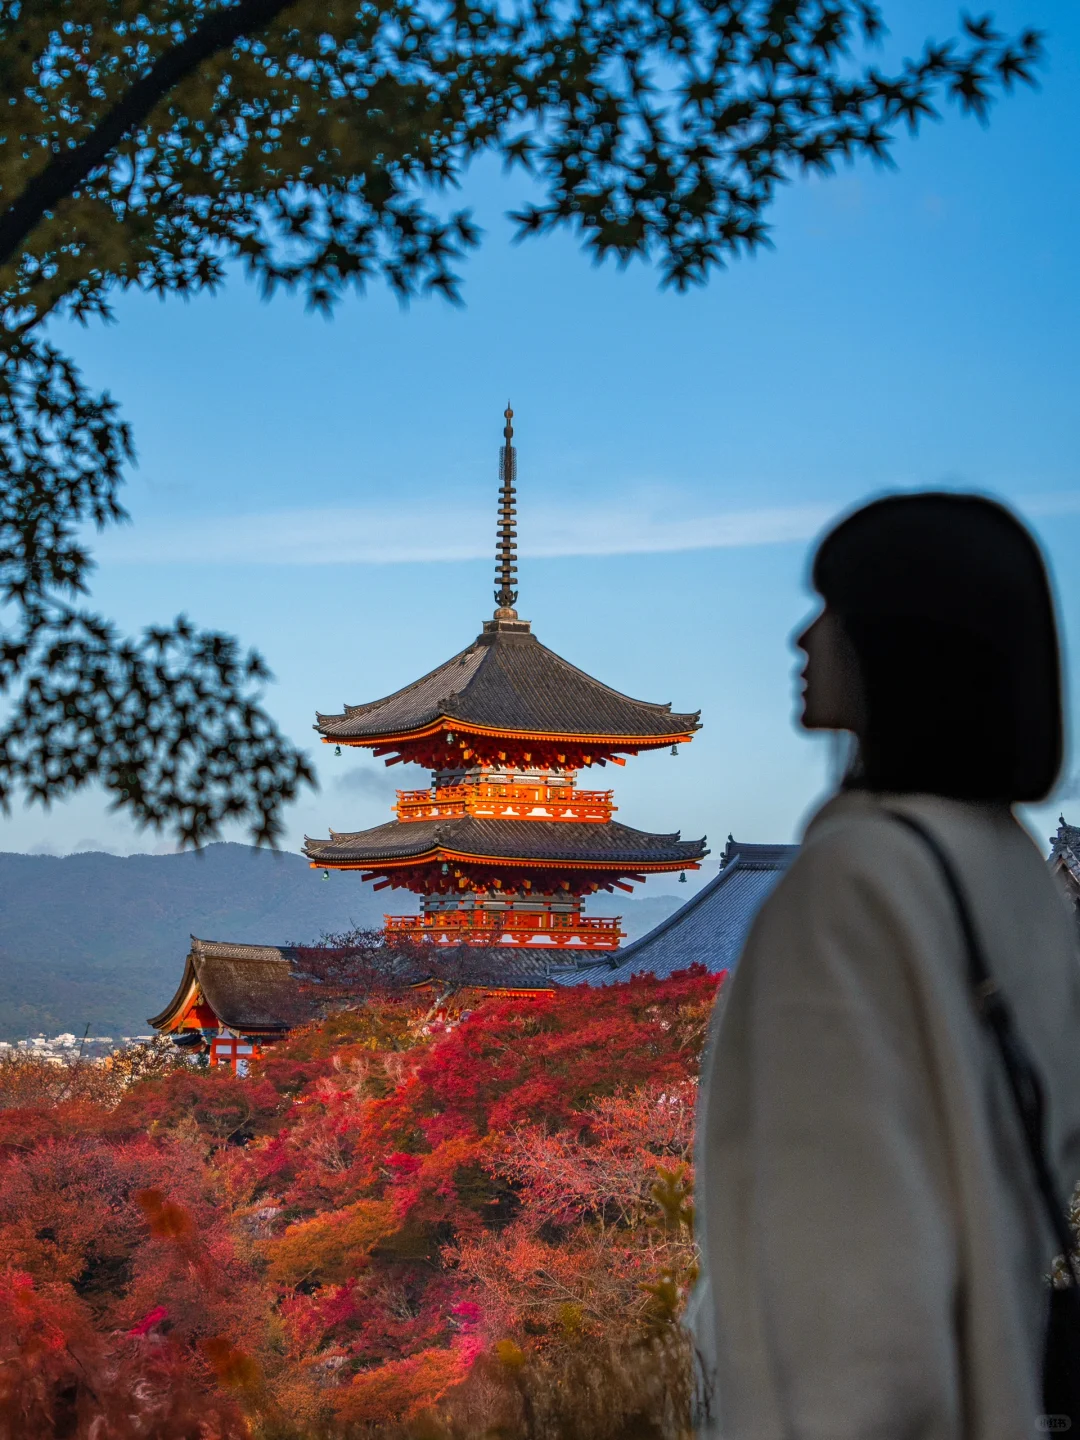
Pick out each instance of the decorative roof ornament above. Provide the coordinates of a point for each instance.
(506, 548)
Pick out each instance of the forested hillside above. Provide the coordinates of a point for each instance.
(99, 940)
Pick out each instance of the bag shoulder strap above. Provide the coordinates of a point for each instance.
(1025, 1082)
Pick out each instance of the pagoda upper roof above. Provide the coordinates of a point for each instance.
(611, 846)
(507, 683)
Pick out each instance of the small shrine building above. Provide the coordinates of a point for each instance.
(233, 999)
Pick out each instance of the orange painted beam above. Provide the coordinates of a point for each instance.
(505, 862)
(392, 739)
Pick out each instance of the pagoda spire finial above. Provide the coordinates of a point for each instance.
(506, 547)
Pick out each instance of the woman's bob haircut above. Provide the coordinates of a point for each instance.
(947, 602)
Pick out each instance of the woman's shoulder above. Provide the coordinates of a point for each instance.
(856, 845)
(852, 834)
(863, 825)
(845, 919)
(853, 865)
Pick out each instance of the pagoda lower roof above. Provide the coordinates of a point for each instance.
(610, 846)
(507, 683)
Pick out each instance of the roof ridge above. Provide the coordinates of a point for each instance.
(199, 946)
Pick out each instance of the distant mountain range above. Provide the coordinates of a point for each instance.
(100, 940)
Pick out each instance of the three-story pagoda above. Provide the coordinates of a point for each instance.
(503, 846)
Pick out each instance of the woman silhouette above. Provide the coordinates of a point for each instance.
(873, 1243)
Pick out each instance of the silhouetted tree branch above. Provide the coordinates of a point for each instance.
(67, 170)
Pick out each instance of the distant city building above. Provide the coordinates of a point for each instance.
(68, 1048)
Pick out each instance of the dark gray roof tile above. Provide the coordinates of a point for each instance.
(711, 928)
(506, 680)
(1065, 849)
(609, 844)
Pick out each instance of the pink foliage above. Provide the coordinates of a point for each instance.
(334, 1240)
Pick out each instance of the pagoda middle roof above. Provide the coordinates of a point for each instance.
(507, 682)
(610, 846)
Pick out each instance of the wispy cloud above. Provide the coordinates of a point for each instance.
(646, 521)
(384, 535)
(1056, 502)
(368, 783)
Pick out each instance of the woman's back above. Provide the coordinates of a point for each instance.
(869, 1220)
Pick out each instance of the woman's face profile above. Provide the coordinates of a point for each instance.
(830, 685)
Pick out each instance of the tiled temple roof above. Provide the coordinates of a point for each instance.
(248, 987)
(499, 967)
(1065, 850)
(507, 681)
(611, 845)
(710, 929)
(261, 989)
(256, 987)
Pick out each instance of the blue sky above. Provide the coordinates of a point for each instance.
(326, 490)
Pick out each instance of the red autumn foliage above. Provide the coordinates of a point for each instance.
(389, 1204)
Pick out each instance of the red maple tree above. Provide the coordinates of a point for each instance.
(389, 1206)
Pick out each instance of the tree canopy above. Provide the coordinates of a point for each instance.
(157, 143)
(398, 1224)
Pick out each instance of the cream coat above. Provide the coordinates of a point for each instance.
(872, 1249)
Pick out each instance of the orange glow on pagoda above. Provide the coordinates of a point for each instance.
(502, 846)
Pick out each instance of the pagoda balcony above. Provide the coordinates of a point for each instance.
(507, 802)
(509, 928)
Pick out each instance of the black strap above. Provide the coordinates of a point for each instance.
(1025, 1083)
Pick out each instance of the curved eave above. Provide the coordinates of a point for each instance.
(438, 854)
(186, 998)
(571, 739)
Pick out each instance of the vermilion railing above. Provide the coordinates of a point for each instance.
(511, 802)
(484, 927)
